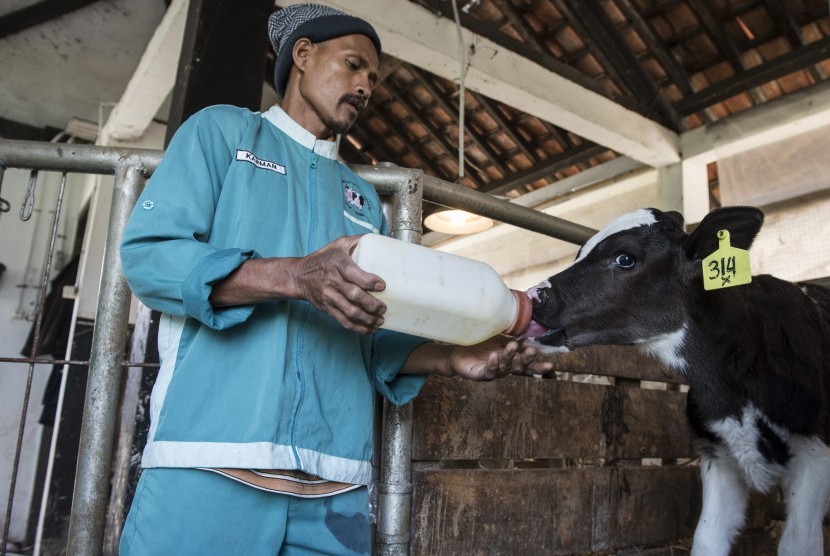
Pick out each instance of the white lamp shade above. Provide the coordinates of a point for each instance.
(456, 222)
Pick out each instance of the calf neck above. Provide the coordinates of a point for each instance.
(756, 357)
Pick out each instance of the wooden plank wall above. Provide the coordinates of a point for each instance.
(590, 462)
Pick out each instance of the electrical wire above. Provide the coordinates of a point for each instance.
(462, 52)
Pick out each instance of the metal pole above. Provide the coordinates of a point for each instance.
(88, 158)
(405, 187)
(395, 483)
(89, 502)
(63, 157)
(453, 195)
(123, 447)
(457, 196)
(395, 487)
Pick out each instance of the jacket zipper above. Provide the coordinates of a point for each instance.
(312, 228)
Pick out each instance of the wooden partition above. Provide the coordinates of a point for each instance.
(597, 460)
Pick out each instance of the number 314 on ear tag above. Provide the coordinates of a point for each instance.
(728, 266)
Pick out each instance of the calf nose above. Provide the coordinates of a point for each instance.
(537, 291)
(543, 318)
(544, 303)
(540, 300)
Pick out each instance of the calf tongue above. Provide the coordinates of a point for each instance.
(534, 330)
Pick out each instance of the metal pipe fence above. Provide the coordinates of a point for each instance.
(131, 168)
(31, 363)
(404, 191)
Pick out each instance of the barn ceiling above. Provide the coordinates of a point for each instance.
(674, 64)
(679, 63)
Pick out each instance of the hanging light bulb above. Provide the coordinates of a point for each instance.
(457, 222)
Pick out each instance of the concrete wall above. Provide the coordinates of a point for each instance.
(793, 243)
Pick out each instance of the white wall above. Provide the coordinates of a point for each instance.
(793, 243)
(23, 247)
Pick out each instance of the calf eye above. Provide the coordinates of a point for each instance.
(624, 260)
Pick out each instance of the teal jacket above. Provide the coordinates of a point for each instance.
(277, 385)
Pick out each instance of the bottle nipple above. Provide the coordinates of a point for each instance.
(524, 309)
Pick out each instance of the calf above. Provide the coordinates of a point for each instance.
(756, 358)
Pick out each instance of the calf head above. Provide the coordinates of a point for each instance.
(632, 281)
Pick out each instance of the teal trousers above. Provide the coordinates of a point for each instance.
(194, 512)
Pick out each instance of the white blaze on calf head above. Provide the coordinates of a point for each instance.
(642, 217)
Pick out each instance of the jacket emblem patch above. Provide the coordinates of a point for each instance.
(355, 199)
(356, 205)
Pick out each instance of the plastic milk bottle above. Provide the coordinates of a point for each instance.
(441, 296)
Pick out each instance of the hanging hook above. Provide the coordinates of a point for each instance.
(28, 205)
(4, 204)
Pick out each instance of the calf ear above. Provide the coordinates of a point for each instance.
(743, 224)
(676, 216)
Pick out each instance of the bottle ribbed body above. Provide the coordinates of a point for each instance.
(438, 295)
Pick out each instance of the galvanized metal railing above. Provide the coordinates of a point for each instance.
(395, 485)
(404, 191)
(131, 167)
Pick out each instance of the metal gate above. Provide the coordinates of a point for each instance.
(403, 191)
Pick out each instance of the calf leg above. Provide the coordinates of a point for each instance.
(724, 504)
(807, 491)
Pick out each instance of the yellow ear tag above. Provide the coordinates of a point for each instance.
(728, 266)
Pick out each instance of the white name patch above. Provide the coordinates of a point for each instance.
(259, 163)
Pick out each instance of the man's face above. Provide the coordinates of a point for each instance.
(339, 78)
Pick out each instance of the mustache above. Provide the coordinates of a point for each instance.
(358, 101)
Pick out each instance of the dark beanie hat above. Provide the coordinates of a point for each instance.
(312, 21)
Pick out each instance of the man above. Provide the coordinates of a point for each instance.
(270, 346)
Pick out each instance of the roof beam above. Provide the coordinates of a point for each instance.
(774, 69)
(372, 146)
(440, 100)
(649, 35)
(10, 129)
(413, 144)
(545, 169)
(522, 145)
(725, 44)
(38, 13)
(775, 121)
(518, 23)
(597, 28)
(782, 16)
(428, 41)
(224, 52)
(152, 80)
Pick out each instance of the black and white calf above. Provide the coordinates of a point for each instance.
(756, 357)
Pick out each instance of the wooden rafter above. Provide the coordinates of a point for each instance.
(440, 100)
(725, 44)
(785, 21)
(412, 144)
(608, 44)
(546, 169)
(746, 80)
